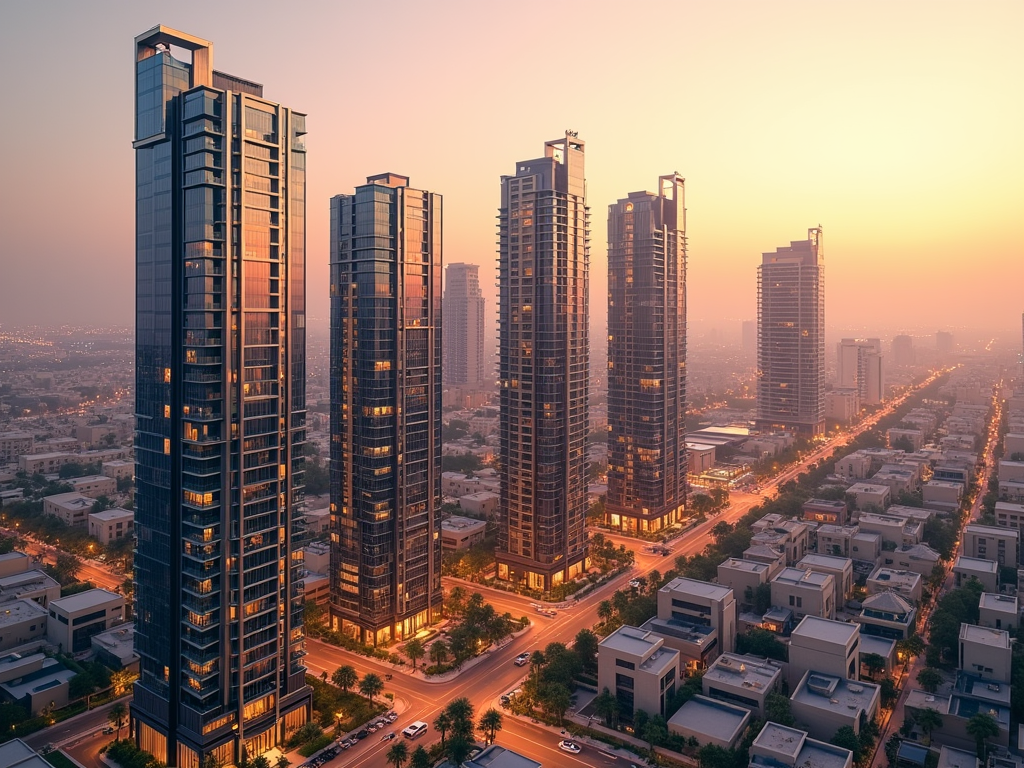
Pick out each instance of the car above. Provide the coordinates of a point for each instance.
(108, 730)
(392, 717)
(521, 659)
(634, 583)
(362, 734)
(388, 736)
(344, 744)
(375, 726)
(505, 700)
(569, 746)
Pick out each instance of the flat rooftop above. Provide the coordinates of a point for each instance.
(73, 500)
(867, 488)
(836, 694)
(989, 601)
(883, 646)
(500, 757)
(831, 529)
(798, 576)
(27, 582)
(459, 523)
(631, 640)
(743, 671)
(91, 598)
(17, 754)
(695, 634)
(895, 579)
(825, 561)
(112, 515)
(750, 566)
(717, 719)
(695, 588)
(964, 563)
(956, 758)
(17, 611)
(992, 530)
(798, 748)
(52, 675)
(839, 632)
(995, 638)
(874, 517)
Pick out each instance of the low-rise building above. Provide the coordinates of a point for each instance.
(17, 754)
(866, 547)
(743, 577)
(853, 466)
(889, 615)
(14, 562)
(971, 694)
(950, 757)
(21, 621)
(500, 757)
(883, 647)
(35, 682)
(30, 585)
(744, 681)
(1009, 515)
(93, 486)
(45, 463)
(710, 721)
(116, 648)
(919, 558)
(842, 406)
(998, 611)
(72, 508)
(774, 558)
(13, 445)
(841, 569)
(111, 524)
(73, 620)
(991, 542)
(908, 584)
(459, 532)
(1012, 491)
(118, 469)
(830, 647)
(483, 503)
(913, 436)
(985, 571)
(900, 478)
(835, 540)
(986, 652)
(701, 603)
(790, 536)
(806, 593)
(870, 495)
(825, 703)
(826, 511)
(778, 745)
(942, 494)
(1011, 470)
(317, 521)
(638, 670)
(895, 530)
(316, 557)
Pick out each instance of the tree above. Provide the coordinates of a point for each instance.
(442, 724)
(458, 749)
(911, 646)
(439, 652)
(414, 650)
(398, 754)
(345, 677)
(282, 762)
(874, 663)
(585, 647)
(714, 756)
(761, 642)
(777, 708)
(607, 707)
(260, 762)
(605, 610)
(120, 680)
(490, 722)
(66, 568)
(420, 758)
(456, 603)
(655, 732)
(371, 685)
(720, 530)
(892, 748)
(555, 699)
(982, 726)
(929, 678)
(847, 739)
(117, 716)
(460, 711)
(928, 720)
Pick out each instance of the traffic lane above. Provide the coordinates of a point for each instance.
(95, 720)
(541, 745)
(87, 751)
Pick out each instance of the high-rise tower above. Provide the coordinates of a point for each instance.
(647, 358)
(463, 327)
(791, 337)
(859, 366)
(544, 365)
(385, 410)
(220, 408)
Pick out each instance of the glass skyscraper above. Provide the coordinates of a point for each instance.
(385, 410)
(463, 327)
(791, 337)
(220, 408)
(544, 367)
(647, 359)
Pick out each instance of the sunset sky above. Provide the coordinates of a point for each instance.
(897, 126)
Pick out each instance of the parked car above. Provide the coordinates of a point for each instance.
(569, 746)
(362, 734)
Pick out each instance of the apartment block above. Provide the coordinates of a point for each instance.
(888, 615)
(986, 652)
(823, 645)
(111, 524)
(72, 508)
(1009, 515)
(907, 584)
(895, 530)
(919, 558)
(826, 511)
(942, 494)
(13, 445)
(75, 619)
(989, 542)
(825, 703)
(638, 670)
(778, 745)
(999, 611)
(743, 577)
(697, 618)
(21, 621)
(710, 721)
(872, 494)
(744, 681)
(841, 569)
(806, 593)
(836, 540)
(93, 486)
(984, 571)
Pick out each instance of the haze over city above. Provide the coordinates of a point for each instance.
(896, 127)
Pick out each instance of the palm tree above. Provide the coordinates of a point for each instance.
(928, 720)
(439, 652)
(414, 650)
(460, 711)
(398, 754)
(536, 662)
(371, 685)
(443, 724)
(456, 602)
(345, 677)
(982, 726)
(607, 707)
(116, 716)
(490, 721)
(459, 748)
(605, 610)
(420, 758)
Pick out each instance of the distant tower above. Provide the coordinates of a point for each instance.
(750, 337)
(463, 322)
(647, 358)
(544, 367)
(220, 409)
(944, 343)
(791, 337)
(859, 366)
(385, 410)
(902, 350)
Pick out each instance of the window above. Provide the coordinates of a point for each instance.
(625, 664)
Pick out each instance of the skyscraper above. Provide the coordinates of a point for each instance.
(647, 358)
(859, 366)
(220, 408)
(902, 350)
(544, 235)
(463, 327)
(791, 337)
(385, 410)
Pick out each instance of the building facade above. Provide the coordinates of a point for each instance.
(791, 338)
(859, 367)
(220, 408)
(647, 359)
(544, 367)
(463, 326)
(385, 410)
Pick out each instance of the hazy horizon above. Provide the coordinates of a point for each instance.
(896, 127)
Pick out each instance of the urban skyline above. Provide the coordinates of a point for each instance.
(883, 163)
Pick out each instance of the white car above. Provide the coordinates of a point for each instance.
(634, 583)
(522, 659)
(569, 746)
